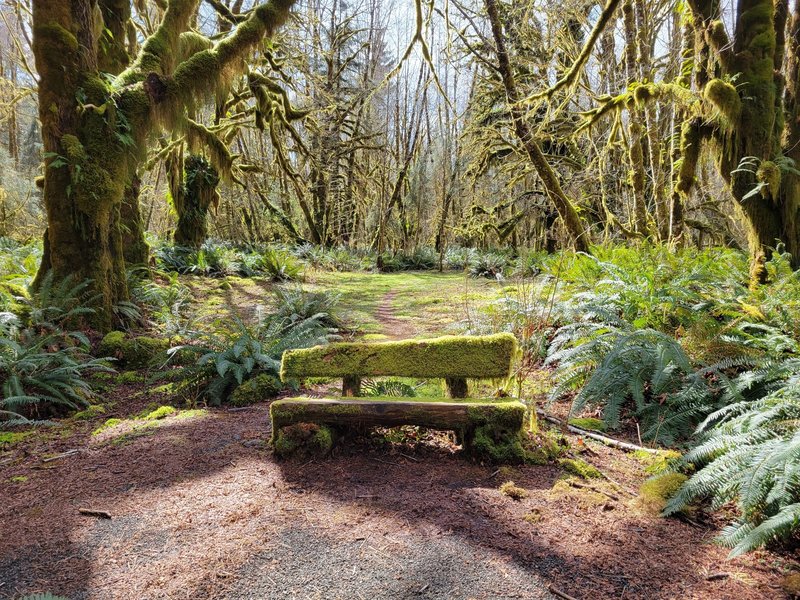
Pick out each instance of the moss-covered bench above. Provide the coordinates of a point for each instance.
(488, 427)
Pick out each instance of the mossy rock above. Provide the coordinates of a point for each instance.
(579, 468)
(657, 491)
(588, 424)
(657, 462)
(137, 352)
(303, 439)
(259, 388)
(545, 448)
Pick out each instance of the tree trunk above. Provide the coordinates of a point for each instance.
(569, 215)
(198, 195)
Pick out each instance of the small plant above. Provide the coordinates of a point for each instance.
(387, 387)
(296, 304)
(489, 264)
(223, 361)
(279, 265)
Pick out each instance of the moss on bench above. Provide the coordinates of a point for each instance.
(474, 357)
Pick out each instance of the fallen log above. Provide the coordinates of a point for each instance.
(596, 436)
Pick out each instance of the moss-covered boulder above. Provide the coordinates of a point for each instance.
(133, 352)
(657, 491)
(259, 388)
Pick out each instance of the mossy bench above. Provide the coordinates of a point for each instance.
(488, 427)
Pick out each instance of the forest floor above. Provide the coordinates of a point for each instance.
(199, 508)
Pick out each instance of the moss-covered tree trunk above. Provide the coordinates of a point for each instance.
(745, 110)
(566, 210)
(194, 192)
(95, 132)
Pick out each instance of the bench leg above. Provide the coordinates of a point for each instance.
(303, 439)
(496, 444)
(456, 387)
(351, 386)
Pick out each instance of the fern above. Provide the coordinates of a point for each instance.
(751, 456)
(216, 364)
(387, 387)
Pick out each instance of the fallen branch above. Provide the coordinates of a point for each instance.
(90, 512)
(559, 593)
(60, 456)
(596, 436)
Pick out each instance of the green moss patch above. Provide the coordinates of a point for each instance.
(94, 410)
(9, 438)
(18, 479)
(513, 491)
(478, 357)
(109, 424)
(136, 352)
(588, 424)
(579, 468)
(656, 492)
(656, 462)
(259, 388)
(160, 413)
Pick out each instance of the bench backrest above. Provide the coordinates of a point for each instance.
(453, 357)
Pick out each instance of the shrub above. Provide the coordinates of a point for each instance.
(256, 389)
(279, 265)
(488, 264)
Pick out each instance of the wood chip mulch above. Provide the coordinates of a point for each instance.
(199, 508)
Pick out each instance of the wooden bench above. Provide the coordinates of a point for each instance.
(489, 428)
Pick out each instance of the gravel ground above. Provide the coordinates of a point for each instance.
(302, 563)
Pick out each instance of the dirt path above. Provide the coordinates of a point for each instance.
(392, 326)
(200, 509)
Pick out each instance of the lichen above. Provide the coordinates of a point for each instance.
(769, 174)
(579, 468)
(477, 357)
(656, 491)
(259, 388)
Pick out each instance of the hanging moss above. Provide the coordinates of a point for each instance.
(477, 357)
(725, 99)
(770, 175)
